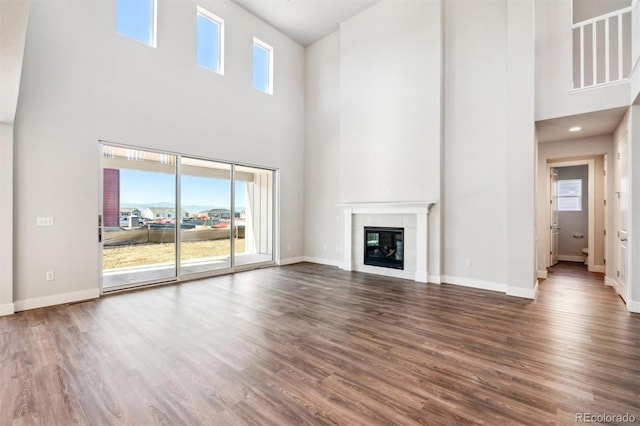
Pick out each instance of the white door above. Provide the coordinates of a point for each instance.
(623, 215)
(554, 228)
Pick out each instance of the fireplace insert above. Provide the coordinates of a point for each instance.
(384, 247)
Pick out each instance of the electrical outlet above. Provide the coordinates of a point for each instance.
(324, 248)
(467, 263)
(288, 247)
(50, 276)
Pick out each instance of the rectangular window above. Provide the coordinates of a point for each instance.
(210, 41)
(262, 66)
(137, 19)
(570, 195)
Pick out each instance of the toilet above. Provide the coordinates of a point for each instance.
(585, 251)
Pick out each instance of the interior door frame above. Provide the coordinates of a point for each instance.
(590, 162)
(623, 293)
(553, 257)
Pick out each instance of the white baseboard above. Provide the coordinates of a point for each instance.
(467, 282)
(597, 268)
(56, 299)
(291, 260)
(542, 274)
(633, 306)
(321, 261)
(435, 279)
(609, 282)
(7, 309)
(526, 293)
(421, 277)
(346, 267)
(566, 258)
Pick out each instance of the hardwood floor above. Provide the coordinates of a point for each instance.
(311, 344)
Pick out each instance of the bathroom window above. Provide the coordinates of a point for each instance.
(569, 195)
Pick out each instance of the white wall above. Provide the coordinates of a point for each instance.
(482, 149)
(6, 219)
(521, 149)
(554, 69)
(575, 149)
(83, 82)
(373, 120)
(633, 304)
(390, 103)
(323, 217)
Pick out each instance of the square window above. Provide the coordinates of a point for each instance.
(210, 41)
(569, 195)
(137, 19)
(262, 66)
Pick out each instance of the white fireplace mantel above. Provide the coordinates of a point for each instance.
(418, 208)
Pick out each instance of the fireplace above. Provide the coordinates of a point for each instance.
(411, 217)
(384, 247)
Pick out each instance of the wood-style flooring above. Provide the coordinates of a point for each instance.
(311, 344)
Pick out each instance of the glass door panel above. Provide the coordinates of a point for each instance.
(253, 222)
(139, 217)
(205, 233)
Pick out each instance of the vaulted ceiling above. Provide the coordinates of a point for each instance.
(305, 21)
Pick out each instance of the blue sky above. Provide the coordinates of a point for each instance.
(207, 49)
(135, 19)
(140, 187)
(260, 68)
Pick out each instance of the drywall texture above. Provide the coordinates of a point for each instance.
(323, 216)
(390, 59)
(634, 221)
(574, 229)
(6, 219)
(489, 174)
(520, 148)
(82, 82)
(475, 177)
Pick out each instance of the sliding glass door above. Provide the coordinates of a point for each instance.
(254, 223)
(139, 217)
(205, 234)
(166, 216)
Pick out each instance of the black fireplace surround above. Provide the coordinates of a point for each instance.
(384, 247)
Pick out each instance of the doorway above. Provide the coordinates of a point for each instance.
(576, 193)
(166, 217)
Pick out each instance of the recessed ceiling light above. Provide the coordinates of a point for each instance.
(575, 129)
